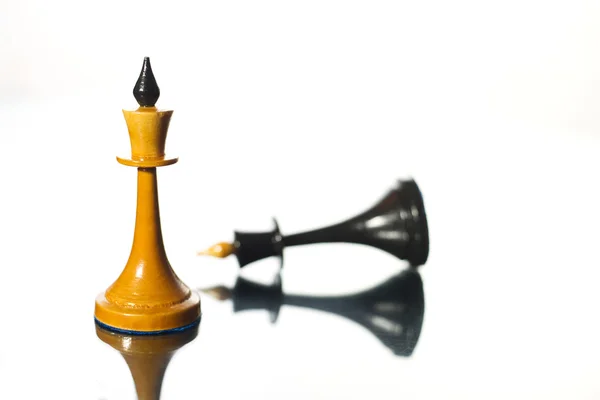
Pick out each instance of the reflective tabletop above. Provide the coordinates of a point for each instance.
(504, 307)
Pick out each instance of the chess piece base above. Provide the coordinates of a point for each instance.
(148, 320)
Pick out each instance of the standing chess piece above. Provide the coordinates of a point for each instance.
(147, 356)
(397, 224)
(392, 311)
(148, 297)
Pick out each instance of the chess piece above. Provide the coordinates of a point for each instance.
(392, 311)
(147, 356)
(397, 224)
(148, 297)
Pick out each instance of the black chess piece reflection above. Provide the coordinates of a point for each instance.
(147, 356)
(392, 311)
(397, 224)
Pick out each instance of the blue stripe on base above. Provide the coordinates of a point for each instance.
(146, 333)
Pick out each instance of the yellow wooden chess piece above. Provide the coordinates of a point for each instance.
(148, 297)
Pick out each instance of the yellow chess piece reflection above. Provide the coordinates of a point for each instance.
(147, 356)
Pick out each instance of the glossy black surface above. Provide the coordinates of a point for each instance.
(397, 224)
(393, 311)
(146, 90)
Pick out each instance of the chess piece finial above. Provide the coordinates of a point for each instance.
(146, 90)
(147, 356)
(397, 224)
(393, 311)
(148, 297)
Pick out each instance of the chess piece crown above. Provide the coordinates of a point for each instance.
(148, 297)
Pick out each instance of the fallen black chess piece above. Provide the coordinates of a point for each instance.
(397, 224)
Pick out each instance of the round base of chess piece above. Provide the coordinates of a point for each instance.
(410, 199)
(155, 320)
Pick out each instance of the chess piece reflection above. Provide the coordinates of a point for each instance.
(397, 224)
(392, 311)
(147, 356)
(148, 297)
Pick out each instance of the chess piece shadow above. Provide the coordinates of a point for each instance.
(397, 224)
(147, 356)
(392, 311)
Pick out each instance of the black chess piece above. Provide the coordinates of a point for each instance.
(397, 224)
(392, 311)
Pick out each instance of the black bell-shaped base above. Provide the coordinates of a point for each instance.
(397, 224)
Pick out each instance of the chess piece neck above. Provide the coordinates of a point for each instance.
(338, 233)
(148, 233)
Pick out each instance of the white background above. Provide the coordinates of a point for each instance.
(309, 111)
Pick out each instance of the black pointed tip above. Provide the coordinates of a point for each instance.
(146, 91)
